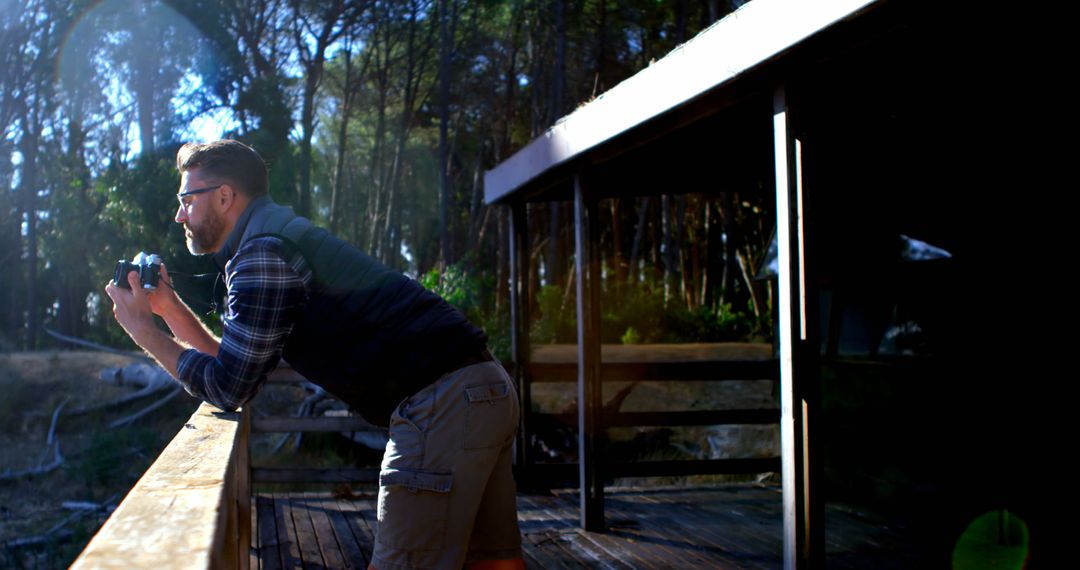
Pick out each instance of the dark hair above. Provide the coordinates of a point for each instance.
(232, 161)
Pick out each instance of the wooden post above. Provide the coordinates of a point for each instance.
(799, 350)
(519, 320)
(590, 404)
(243, 488)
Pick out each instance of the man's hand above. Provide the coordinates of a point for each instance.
(132, 308)
(163, 300)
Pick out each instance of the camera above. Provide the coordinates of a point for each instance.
(148, 266)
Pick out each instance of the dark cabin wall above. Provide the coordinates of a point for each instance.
(912, 134)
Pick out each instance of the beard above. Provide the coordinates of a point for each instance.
(201, 239)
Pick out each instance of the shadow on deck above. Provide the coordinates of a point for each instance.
(730, 526)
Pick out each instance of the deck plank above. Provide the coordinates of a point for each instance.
(750, 520)
(324, 533)
(629, 552)
(542, 535)
(626, 532)
(253, 552)
(724, 537)
(650, 530)
(352, 550)
(265, 533)
(288, 548)
(756, 514)
(305, 532)
(363, 530)
(603, 552)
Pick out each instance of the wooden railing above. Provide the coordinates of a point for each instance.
(657, 363)
(192, 507)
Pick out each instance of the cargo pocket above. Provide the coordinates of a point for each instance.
(489, 419)
(413, 509)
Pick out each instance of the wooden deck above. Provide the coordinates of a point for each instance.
(731, 526)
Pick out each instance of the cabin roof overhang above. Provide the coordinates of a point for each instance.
(736, 56)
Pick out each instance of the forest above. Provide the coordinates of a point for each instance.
(377, 121)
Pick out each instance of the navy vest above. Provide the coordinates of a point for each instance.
(368, 334)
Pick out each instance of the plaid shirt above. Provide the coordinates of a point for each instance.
(264, 293)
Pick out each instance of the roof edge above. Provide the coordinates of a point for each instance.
(755, 33)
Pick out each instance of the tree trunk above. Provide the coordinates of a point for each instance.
(599, 83)
(378, 179)
(145, 66)
(680, 21)
(502, 253)
(414, 70)
(558, 95)
(639, 234)
(349, 89)
(307, 125)
(28, 147)
(714, 249)
(678, 252)
(669, 247)
(313, 68)
(444, 118)
(731, 267)
(618, 262)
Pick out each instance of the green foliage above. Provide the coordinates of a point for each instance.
(631, 336)
(642, 317)
(470, 291)
(556, 321)
(455, 285)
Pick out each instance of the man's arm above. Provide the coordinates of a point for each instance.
(264, 292)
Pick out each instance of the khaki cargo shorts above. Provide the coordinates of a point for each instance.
(446, 491)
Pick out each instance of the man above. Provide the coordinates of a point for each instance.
(392, 350)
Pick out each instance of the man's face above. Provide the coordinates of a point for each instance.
(204, 226)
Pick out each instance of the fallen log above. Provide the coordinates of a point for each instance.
(52, 447)
(131, 418)
(151, 378)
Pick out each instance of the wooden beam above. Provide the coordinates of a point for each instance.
(660, 353)
(661, 371)
(311, 424)
(519, 321)
(185, 511)
(242, 483)
(313, 475)
(695, 418)
(589, 398)
(542, 472)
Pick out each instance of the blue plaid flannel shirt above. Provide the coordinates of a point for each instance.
(263, 292)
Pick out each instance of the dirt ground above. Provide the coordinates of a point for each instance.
(99, 464)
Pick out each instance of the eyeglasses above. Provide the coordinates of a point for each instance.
(187, 203)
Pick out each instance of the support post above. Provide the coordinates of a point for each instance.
(243, 488)
(799, 353)
(519, 321)
(590, 404)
